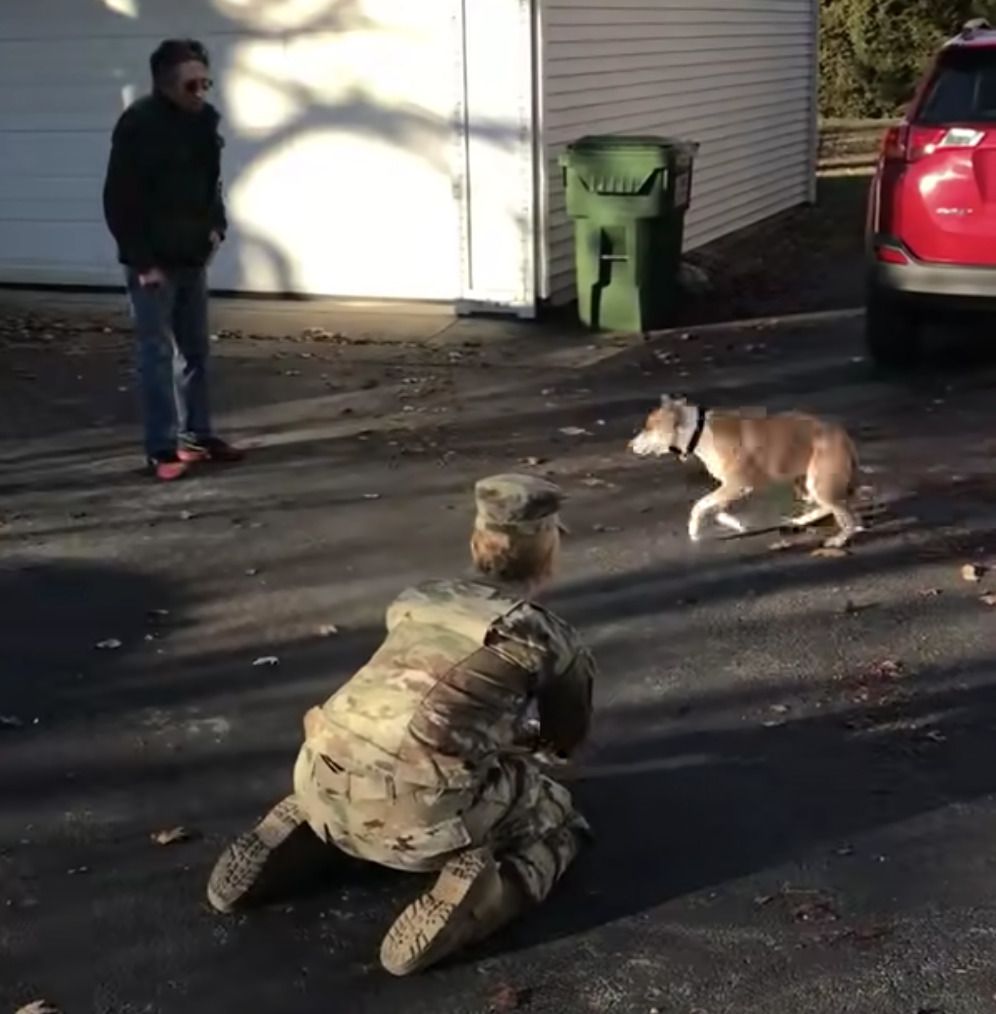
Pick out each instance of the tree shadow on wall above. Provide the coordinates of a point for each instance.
(416, 131)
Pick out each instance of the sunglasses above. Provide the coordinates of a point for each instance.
(198, 85)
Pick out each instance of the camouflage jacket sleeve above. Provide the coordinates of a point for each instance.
(565, 700)
(565, 672)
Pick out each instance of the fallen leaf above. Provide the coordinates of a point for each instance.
(574, 431)
(266, 660)
(781, 545)
(252, 571)
(11, 722)
(930, 593)
(508, 998)
(874, 684)
(371, 496)
(988, 599)
(110, 644)
(973, 572)
(804, 905)
(829, 553)
(864, 935)
(38, 1007)
(888, 668)
(533, 462)
(816, 910)
(780, 709)
(187, 515)
(607, 529)
(328, 630)
(172, 836)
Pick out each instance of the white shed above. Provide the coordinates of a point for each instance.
(380, 149)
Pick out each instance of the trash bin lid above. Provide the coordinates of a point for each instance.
(636, 144)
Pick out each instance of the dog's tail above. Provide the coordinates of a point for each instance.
(852, 451)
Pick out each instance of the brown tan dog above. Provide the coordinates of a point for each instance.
(747, 449)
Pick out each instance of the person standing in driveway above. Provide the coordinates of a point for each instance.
(163, 205)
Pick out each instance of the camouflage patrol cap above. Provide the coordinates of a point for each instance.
(517, 502)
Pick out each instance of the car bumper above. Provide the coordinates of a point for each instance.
(941, 283)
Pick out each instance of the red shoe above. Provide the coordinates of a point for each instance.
(168, 468)
(212, 449)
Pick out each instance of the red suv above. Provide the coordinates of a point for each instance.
(931, 230)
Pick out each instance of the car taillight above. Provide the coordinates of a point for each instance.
(895, 143)
(907, 143)
(890, 255)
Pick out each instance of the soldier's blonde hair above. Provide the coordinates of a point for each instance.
(526, 557)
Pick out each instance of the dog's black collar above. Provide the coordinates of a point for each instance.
(700, 421)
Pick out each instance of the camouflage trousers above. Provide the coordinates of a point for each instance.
(526, 818)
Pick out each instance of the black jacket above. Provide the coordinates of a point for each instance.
(162, 194)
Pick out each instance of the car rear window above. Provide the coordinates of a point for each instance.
(963, 89)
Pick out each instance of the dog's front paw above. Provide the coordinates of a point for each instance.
(837, 541)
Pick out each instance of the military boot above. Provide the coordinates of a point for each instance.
(470, 900)
(276, 856)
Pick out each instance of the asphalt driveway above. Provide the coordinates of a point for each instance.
(793, 767)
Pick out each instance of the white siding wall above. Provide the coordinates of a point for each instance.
(738, 76)
(341, 128)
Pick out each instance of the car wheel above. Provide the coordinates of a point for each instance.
(892, 332)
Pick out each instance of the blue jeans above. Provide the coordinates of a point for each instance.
(171, 328)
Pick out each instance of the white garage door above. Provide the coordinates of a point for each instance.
(346, 153)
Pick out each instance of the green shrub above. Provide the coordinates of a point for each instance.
(873, 51)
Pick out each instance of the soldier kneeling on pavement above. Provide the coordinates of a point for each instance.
(421, 762)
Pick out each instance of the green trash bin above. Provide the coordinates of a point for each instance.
(628, 197)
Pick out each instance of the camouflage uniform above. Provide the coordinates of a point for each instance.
(418, 763)
(418, 755)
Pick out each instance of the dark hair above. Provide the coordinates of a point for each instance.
(172, 52)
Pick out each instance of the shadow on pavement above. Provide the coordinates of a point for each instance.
(724, 803)
(676, 807)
